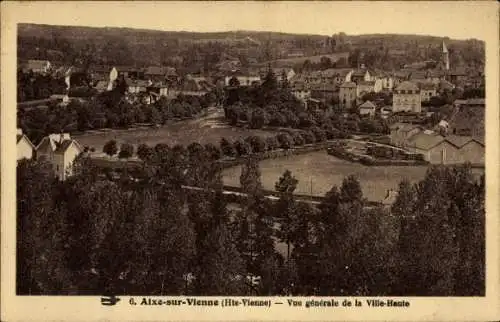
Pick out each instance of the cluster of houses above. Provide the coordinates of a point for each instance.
(60, 150)
(458, 140)
(144, 84)
(409, 87)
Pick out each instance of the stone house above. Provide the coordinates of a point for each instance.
(348, 95)
(407, 98)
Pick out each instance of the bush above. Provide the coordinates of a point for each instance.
(309, 137)
(298, 140)
(227, 148)
(258, 118)
(278, 119)
(242, 147)
(257, 144)
(162, 151)
(212, 151)
(285, 140)
(144, 151)
(110, 148)
(366, 160)
(126, 151)
(196, 151)
(272, 143)
(319, 134)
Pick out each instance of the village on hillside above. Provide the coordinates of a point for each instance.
(414, 101)
(265, 158)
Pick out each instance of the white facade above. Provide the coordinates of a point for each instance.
(426, 94)
(302, 94)
(60, 151)
(407, 98)
(24, 146)
(63, 161)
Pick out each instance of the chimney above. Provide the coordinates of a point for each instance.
(19, 131)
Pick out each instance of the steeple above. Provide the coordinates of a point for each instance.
(446, 59)
(445, 50)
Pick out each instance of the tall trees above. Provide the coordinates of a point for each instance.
(75, 236)
(42, 266)
(219, 267)
(254, 223)
(442, 223)
(287, 214)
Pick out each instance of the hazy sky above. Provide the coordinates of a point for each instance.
(453, 19)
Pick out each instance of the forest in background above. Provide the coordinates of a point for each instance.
(194, 51)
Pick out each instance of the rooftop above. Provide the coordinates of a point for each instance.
(359, 73)
(407, 86)
(427, 86)
(425, 141)
(348, 85)
(368, 104)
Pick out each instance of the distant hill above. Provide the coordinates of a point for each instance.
(196, 50)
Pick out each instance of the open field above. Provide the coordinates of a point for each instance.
(317, 172)
(204, 130)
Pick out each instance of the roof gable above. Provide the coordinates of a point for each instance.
(367, 104)
(348, 85)
(66, 144)
(424, 141)
(407, 85)
(22, 137)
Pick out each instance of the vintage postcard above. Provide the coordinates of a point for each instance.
(250, 161)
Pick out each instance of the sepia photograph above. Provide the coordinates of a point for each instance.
(248, 163)
(251, 160)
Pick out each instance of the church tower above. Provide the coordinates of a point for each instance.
(446, 58)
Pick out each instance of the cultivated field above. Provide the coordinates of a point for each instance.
(204, 130)
(317, 172)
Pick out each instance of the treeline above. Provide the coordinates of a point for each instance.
(34, 87)
(272, 104)
(93, 236)
(231, 148)
(84, 45)
(329, 120)
(107, 110)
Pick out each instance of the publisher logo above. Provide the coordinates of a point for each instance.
(109, 300)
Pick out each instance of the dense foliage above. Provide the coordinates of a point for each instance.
(74, 237)
(203, 51)
(107, 110)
